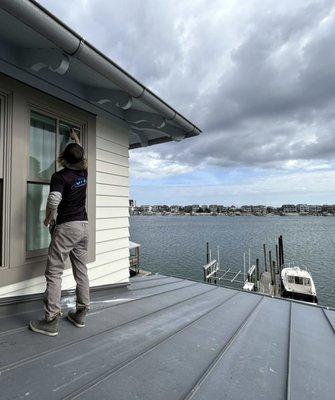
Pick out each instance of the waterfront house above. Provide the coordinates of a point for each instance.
(289, 209)
(213, 208)
(303, 208)
(52, 79)
(246, 209)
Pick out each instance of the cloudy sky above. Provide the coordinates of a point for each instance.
(258, 77)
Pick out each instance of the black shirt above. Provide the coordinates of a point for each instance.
(72, 184)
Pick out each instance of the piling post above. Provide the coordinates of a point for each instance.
(274, 278)
(244, 267)
(271, 267)
(282, 250)
(207, 247)
(257, 274)
(277, 258)
(265, 263)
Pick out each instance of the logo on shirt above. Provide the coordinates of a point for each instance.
(78, 183)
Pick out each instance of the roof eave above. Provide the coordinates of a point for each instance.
(45, 23)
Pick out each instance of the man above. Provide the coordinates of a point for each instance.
(69, 238)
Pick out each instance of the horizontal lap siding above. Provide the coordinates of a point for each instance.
(112, 201)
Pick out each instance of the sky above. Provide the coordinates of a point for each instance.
(258, 77)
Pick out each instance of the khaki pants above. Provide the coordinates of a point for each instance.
(69, 239)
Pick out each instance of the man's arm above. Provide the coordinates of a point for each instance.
(54, 198)
(74, 136)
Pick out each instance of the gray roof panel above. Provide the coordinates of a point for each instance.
(167, 338)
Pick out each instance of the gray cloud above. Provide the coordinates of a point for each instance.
(258, 77)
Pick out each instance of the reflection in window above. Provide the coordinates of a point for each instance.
(42, 146)
(38, 236)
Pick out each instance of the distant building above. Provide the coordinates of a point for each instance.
(315, 209)
(174, 209)
(204, 208)
(328, 209)
(303, 208)
(289, 208)
(213, 208)
(259, 210)
(132, 206)
(146, 208)
(246, 209)
(195, 207)
(222, 209)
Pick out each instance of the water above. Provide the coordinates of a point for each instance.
(176, 245)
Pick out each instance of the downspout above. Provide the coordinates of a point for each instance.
(42, 21)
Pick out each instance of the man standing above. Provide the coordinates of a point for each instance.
(67, 197)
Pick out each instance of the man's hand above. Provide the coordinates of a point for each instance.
(47, 221)
(49, 216)
(74, 136)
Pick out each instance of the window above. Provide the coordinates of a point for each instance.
(298, 280)
(307, 282)
(290, 279)
(47, 138)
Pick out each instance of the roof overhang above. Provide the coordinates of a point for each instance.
(38, 49)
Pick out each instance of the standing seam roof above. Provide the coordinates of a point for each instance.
(169, 338)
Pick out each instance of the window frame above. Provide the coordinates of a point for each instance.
(6, 99)
(58, 117)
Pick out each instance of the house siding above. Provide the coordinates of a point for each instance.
(112, 205)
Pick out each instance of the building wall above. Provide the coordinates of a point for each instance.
(112, 202)
(109, 142)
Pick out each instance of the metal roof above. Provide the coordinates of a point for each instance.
(40, 50)
(168, 338)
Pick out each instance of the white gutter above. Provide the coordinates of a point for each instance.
(42, 21)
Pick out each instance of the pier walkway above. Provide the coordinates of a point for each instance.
(166, 338)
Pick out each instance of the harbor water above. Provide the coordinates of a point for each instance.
(176, 245)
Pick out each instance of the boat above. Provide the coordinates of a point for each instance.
(298, 284)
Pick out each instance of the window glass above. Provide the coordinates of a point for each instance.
(298, 280)
(42, 146)
(48, 137)
(38, 236)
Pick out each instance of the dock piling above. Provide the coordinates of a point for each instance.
(257, 274)
(265, 262)
(271, 268)
(277, 258)
(207, 247)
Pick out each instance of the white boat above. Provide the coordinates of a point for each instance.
(298, 284)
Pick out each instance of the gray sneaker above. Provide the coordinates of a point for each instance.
(45, 327)
(78, 318)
